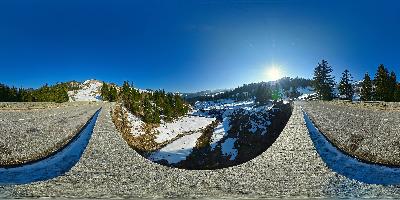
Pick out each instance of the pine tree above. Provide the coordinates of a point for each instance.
(345, 86)
(285, 83)
(366, 88)
(263, 94)
(151, 114)
(104, 91)
(113, 93)
(293, 92)
(323, 81)
(381, 82)
(126, 91)
(397, 93)
(276, 93)
(56, 93)
(392, 86)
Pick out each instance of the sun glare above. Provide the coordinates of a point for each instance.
(273, 73)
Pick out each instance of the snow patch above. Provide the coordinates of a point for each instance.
(137, 125)
(307, 96)
(90, 91)
(220, 132)
(168, 131)
(222, 104)
(177, 150)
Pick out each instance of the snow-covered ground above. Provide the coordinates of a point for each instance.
(220, 132)
(307, 96)
(189, 126)
(306, 93)
(228, 109)
(222, 104)
(305, 90)
(182, 134)
(137, 125)
(89, 91)
(168, 131)
(178, 150)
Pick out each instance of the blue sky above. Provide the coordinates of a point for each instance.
(192, 45)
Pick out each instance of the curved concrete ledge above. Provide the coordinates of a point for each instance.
(290, 168)
(54, 165)
(348, 165)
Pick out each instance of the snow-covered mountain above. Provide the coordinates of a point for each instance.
(89, 90)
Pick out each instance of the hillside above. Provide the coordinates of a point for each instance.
(214, 134)
(89, 90)
(286, 88)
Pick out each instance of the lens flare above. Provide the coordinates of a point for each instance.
(274, 73)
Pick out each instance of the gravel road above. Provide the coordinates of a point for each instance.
(365, 132)
(290, 168)
(28, 135)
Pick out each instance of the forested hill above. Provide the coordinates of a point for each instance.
(286, 86)
(150, 106)
(46, 93)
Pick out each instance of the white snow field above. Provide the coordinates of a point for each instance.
(167, 131)
(89, 91)
(178, 150)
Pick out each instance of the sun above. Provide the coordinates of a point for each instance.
(274, 73)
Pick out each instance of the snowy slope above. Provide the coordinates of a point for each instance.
(178, 150)
(137, 125)
(180, 136)
(168, 131)
(220, 132)
(180, 147)
(89, 91)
